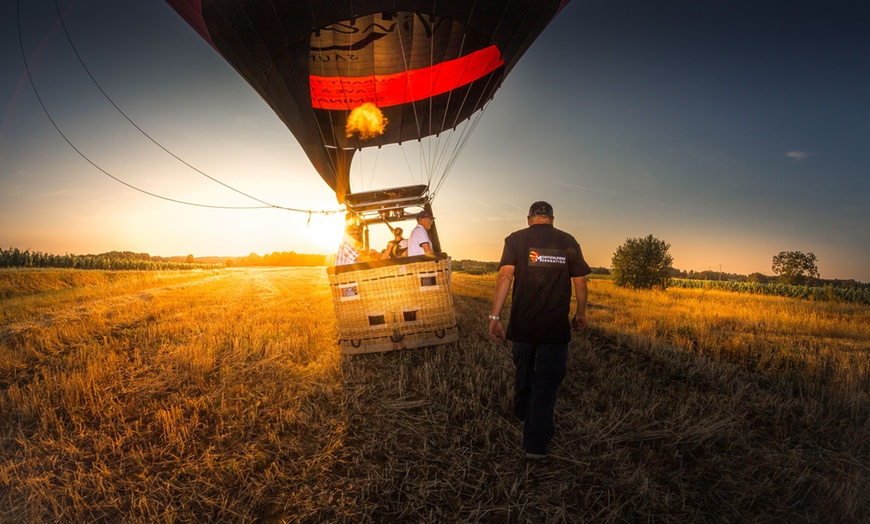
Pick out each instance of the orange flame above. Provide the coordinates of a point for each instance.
(365, 121)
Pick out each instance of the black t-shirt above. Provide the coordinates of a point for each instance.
(545, 259)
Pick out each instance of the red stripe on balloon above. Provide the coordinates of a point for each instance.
(344, 93)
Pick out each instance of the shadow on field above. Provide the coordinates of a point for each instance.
(225, 398)
(643, 434)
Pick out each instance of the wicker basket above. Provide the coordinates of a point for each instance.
(393, 304)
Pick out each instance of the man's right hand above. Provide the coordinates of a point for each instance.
(496, 330)
(578, 322)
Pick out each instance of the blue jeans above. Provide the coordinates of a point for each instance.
(540, 369)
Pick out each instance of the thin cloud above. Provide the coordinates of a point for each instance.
(616, 193)
(514, 205)
(797, 156)
(499, 208)
(585, 188)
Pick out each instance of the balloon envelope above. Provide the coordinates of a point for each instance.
(425, 65)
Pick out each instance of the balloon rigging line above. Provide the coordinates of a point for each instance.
(99, 168)
(459, 146)
(374, 168)
(362, 172)
(466, 133)
(468, 130)
(425, 170)
(413, 103)
(431, 153)
(431, 103)
(155, 142)
(464, 141)
(436, 160)
(45, 109)
(436, 157)
(407, 161)
(442, 153)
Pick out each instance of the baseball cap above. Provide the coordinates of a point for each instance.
(541, 208)
(424, 214)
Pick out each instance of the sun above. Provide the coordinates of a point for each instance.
(326, 231)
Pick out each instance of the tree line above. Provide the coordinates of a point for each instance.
(128, 260)
(645, 263)
(282, 258)
(113, 260)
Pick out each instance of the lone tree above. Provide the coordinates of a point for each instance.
(642, 263)
(795, 267)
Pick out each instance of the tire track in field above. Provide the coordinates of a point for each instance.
(32, 360)
(80, 309)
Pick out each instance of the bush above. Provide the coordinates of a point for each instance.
(642, 263)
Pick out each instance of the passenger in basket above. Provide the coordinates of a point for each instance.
(398, 247)
(350, 250)
(347, 252)
(418, 242)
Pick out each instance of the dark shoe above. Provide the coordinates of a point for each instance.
(535, 456)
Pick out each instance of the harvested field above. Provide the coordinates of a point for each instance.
(221, 396)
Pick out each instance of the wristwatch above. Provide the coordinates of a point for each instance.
(494, 317)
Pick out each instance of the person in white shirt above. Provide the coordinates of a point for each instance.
(418, 242)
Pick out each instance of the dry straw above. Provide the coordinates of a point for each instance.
(224, 397)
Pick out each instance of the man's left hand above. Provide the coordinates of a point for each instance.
(496, 330)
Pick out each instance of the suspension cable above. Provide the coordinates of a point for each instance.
(265, 205)
(155, 142)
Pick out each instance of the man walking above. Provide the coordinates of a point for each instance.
(542, 262)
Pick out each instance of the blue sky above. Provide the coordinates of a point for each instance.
(729, 130)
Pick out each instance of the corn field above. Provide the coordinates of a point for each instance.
(14, 257)
(825, 293)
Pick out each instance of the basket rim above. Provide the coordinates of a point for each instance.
(374, 264)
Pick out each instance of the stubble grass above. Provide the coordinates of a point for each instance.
(223, 397)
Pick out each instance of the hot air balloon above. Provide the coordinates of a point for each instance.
(345, 75)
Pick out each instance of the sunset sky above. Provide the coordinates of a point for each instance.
(731, 129)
